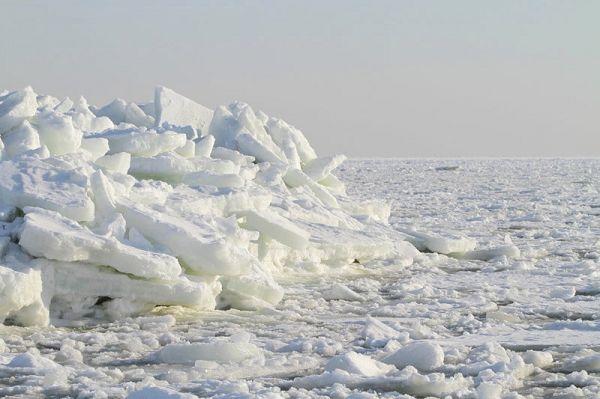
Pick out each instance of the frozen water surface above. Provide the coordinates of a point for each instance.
(525, 324)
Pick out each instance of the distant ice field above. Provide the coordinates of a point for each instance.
(505, 327)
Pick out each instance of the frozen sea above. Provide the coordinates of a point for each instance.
(524, 327)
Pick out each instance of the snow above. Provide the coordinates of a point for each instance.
(160, 250)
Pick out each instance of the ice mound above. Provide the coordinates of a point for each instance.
(110, 211)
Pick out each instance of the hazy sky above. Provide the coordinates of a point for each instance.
(365, 78)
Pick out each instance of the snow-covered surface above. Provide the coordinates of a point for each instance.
(109, 280)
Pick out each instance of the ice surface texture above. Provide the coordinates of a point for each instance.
(200, 208)
(507, 328)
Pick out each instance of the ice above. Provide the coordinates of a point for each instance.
(21, 296)
(378, 334)
(20, 140)
(136, 116)
(143, 143)
(84, 119)
(31, 360)
(282, 132)
(96, 146)
(319, 168)
(178, 110)
(159, 393)
(79, 280)
(443, 245)
(510, 251)
(172, 167)
(75, 281)
(355, 363)
(118, 162)
(204, 146)
(188, 150)
(16, 107)
(220, 351)
(425, 356)
(249, 145)
(368, 278)
(537, 358)
(340, 291)
(47, 234)
(63, 106)
(205, 178)
(276, 227)
(37, 182)
(57, 132)
(198, 247)
(115, 111)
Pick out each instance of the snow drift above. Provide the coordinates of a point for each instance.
(107, 212)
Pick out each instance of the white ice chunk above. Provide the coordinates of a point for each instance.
(213, 179)
(47, 234)
(135, 115)
(20, 140)
(37, 182)
(443, 245)
(355, 363)
(84, 119)
(219, 351)
(319, 168)
(171, 167)
(249, 145)
(282, 131)
(537, 358)
(64, 106)
(178, 110)
(200, 249)
(115, 111)
(509, 250)
(15, 107)
(47, 101)
(159, 393)
(253, 290)
(377, 334)
(425, 356)
(104, 194)
(118, 162)
(142, 143)
(339, 291)
(276, 227)
(232, 155)
(57, 132)
(296, 178)
(97, 146)
(188, 150)
(80, 280)
(204, 146)
(21, 296)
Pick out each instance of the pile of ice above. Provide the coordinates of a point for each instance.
(111, 211)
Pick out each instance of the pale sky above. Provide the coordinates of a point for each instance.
(365, 78)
